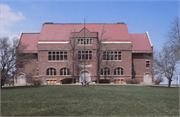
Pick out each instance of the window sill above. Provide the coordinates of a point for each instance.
(112, 60)
(85, 45)
(59, 61)
(86, 60)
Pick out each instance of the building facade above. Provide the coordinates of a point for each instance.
(85, 50)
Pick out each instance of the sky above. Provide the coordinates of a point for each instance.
(140, 15)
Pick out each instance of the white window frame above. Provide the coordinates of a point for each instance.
(84, 41)
(53, 70)
(86, 53)
(105, 69)
(110, 55)
(55, 55)
(65, 71)
(118, 70)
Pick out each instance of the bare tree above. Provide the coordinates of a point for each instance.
(29, 76)
(173, 36)
(12, 56)
(99, 52)
(109, 62)
(165, 63)
(72, 49)
(7, 58)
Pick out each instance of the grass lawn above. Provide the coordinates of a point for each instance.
(95, 100)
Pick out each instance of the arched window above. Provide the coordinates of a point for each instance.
(118, 71)
(64, 71)
(105, 71)
(51, 72)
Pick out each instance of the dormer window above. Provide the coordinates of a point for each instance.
(84, 41)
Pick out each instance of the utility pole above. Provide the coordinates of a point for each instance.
(84, 51)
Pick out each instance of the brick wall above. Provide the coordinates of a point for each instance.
(130, 62)
(139, 65)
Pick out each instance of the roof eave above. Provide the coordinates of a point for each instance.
(19, 39)
(142, 52)
(149, 38)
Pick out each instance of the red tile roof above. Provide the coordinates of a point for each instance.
(140, 43)
(62, 31)
(31, 40)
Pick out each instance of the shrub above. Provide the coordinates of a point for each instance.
(132, 81)
(158, 80)
(67, 81)
(103, 81)
(36, 82)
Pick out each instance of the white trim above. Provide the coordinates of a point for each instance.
(81, 65)
(53, 42)
(141, 52)
(149, 38)
(117, 42)
(19, 39)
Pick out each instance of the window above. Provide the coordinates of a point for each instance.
(119, 81)
(105, 71)
(87, 54)
(57, 55)
(84, 41)
(64, 71)
(118, 71)
(51, 82)
(147, 63)
(21, 64)
(51, 72)
(111, 55)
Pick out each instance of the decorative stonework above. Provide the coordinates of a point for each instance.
(86, 65)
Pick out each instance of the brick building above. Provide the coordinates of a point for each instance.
(122, 56)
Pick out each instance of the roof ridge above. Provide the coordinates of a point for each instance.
(137, 33)
(30, 33)
(83, 23)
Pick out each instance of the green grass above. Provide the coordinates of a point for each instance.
(95, 100)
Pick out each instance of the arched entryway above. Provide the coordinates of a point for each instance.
(147, 78)
(21, 79)
(85, 76)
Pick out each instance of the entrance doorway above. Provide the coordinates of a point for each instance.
(22, 79)
(147, 78)
(85, 76)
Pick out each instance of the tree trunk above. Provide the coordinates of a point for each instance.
(2, 83)
(98, 64)
(169, 82)
(73, 72)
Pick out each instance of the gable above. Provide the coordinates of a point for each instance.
(30, 40)
(141, 43)
(84, 33)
